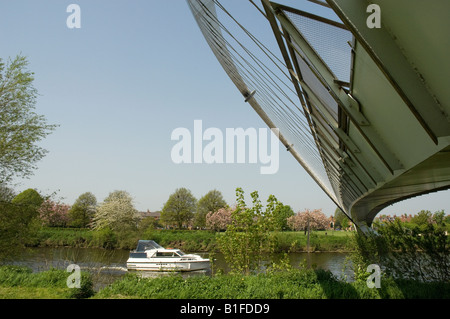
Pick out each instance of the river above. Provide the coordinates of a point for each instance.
(109, 265)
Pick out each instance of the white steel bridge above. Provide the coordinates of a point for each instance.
(364, 109)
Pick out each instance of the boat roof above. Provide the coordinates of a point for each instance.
(144, 245)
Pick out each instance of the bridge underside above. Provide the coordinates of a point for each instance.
(375, 101)
(432, 175)
(399, 75)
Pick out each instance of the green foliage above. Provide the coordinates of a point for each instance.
(54, 279)
(319, 241)
(288, 284)
(57, 237)
(419, 250)
(148, 224)
(6, 193)
(281, 214)
(21, 129)
(179, 208)
(105, 238)
(18, 221)
(211, 202)
(83, 210)
(423, 218)
(30, 199)
(248, 235)
(86, 289)
(341, 220)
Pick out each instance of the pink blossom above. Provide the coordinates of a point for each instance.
(54, 214)
(316, 218)
(219, 220)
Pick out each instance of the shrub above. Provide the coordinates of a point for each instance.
(418, 252)
(86, 289)
(105, 238)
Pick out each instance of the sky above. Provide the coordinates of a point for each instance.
(122, 83)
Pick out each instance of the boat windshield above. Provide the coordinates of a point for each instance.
(144, 245)
(179, 252)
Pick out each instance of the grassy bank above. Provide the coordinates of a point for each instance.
(187, 240)
(319, 241)
(292, 284)
(21, 283)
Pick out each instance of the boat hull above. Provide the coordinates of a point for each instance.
(146, 265)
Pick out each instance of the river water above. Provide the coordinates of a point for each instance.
(109, 265)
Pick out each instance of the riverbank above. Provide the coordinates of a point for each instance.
(21, 283)
(187, 240)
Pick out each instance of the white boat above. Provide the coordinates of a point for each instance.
(150, 256)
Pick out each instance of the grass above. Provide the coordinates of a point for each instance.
(17, 282)
(32, 293)
(335, 241)
(292, 284)
(22, 283)
(57, 237)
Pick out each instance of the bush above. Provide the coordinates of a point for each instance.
(86, 289)
(417, 252)
(105, 238)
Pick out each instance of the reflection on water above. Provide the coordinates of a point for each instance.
(155, 274)
(106, 266)
(109, 265)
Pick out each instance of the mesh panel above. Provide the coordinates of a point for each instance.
(329, 41)
(316, 86)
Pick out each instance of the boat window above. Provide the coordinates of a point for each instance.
(180, 253)
(165, 254)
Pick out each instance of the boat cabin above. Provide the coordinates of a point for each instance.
(150, 249)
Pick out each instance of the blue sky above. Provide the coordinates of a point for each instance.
(119, 86)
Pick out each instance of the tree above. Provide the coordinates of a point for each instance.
(280, 214)
(219, 220)
(20, 127)
(439, 217)
(340, 219)
(314, 219)
(248, 235)
(18, 221)
(83, 210)
(117, 213)
(179, 208)
(211, 202)
(30, 200)
(424, 217)
(6, 193)
(54, 214)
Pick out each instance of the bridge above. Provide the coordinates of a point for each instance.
(361, 100)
